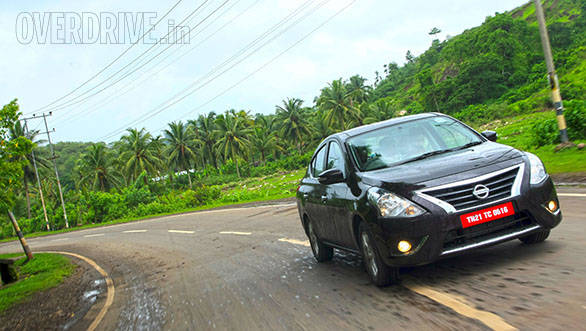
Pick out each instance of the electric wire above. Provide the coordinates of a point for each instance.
(143, 75)
(265, 64)
(71, 101)
(109, 64)
(176, 97)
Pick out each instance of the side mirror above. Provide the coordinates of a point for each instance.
(490, 135)
(331, 176)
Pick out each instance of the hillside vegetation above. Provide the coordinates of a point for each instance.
(492, 76)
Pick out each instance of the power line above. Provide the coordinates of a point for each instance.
(266, 63)
(133, 69)
(110, 64)
(71, 103)
(136, 83)
(162, 106)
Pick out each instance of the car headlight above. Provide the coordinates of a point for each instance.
(392, 205)
(538, 173)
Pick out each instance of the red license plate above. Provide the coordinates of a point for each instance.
(487, 215)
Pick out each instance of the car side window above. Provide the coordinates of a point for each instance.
(318, 164)
(335, 157)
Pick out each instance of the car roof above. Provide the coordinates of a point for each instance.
(344, 135)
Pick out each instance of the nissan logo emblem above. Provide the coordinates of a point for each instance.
(480, 191)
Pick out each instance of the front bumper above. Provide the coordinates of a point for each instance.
(439, 234)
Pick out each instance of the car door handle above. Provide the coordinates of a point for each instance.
(324, 198)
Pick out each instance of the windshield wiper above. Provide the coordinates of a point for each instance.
(426, 155)
(470, 144)
(441, 151)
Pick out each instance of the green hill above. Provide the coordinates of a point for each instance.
(494, 70)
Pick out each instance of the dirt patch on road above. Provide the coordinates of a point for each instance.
(62, 307)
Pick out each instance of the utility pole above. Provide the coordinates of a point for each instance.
(553, 77)
(38, 180)
(27, 250)
(53, 157)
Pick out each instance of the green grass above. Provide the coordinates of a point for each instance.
(516, 132)
(43, 272)
(273, 187)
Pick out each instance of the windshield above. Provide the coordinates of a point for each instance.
(410, 141)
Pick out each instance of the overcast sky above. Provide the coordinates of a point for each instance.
(38, 69)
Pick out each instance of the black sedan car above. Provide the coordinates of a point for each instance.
(414, 189)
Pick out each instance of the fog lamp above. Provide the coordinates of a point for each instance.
(404, 246)
(552, 206)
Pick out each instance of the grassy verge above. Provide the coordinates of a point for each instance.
(516, 132)
(279, 186)
(41, 273)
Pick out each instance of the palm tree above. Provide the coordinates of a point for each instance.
(294, 124)
(96, 169)
(180, 150)
(139, 153)
(335, 102)
(356, 90)
(204, 131)
(29, 176)
(231, 136)
(379, 111)
(264, 142)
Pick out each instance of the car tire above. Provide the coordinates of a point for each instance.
(380, 273)
(321, 252)
(535, 238)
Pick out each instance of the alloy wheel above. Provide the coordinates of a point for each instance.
(368, 252)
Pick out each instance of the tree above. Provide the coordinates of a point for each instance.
(294, 124)
(95, 168)
(204, 131)
(12, 155)
(263, 142)
(434, 31)
(231, 134)
(356, 89)
(335, 102)
(139, 153)
(180, 150)
(409, 57)
(16, 131)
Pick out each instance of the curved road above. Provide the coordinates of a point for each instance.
(247, 268)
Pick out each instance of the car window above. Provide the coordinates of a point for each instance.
(318, 164)
(452, 133)
(335, 157)
(402, 142)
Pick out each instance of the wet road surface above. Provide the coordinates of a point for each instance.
(251, 268)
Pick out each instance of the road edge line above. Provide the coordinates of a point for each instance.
(109, 283)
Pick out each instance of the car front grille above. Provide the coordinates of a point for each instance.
(500, 187)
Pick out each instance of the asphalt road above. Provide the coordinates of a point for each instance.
(252, 269)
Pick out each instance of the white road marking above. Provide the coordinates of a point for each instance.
(581, 195)
(236, 233)
(60, 239)
(93, 235)
(295, 241)
(134, 231)
(181, 231)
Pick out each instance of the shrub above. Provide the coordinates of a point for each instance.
(546, 132)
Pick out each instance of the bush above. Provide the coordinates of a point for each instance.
(546, 132)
